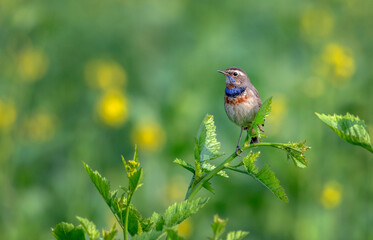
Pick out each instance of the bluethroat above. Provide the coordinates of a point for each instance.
(242, 100)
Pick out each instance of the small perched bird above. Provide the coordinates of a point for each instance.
(242, 100)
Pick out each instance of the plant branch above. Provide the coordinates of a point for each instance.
(236, 170)
(193, 190)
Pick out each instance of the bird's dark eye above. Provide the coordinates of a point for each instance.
(235, 74)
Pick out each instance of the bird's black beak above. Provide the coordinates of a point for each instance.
(223, 72)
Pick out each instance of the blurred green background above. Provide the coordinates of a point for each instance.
(85, 80)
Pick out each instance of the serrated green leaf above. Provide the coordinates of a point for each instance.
(263, 112)
(101, 183)
(249, 160)
(208, 167)
(103, 186)
(197, 160)
(207, 147)
(178, 212)
(350, 128)
(146, 224)
(136, 154)
(261, 115)
(172, 235)
(208, 187)
(295, 152)
(238, 235)
(134, 224)
(184, 164)
(218, 227)
(158, 221)
(265, 176)
(89, 228)
(151, 235)
(67, 231)
(109, 235)
(134, 180)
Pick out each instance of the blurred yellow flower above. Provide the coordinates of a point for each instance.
(331, 195)
(279, 110)
(337, 62)
(149, 135)
(104, 74)
(32, 64)
(316, 22)
(185, 229)
(112, 108)
(8, 114)
(314, 87)
(40, 127)
(175, 190)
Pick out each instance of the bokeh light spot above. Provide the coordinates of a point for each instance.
(149, 135)
(331, 195)
(8, 114)
(32, 64)
(278, 112)
(316, 22)
(185, 229)
(104, 74)
(40, 127)
(112, 108)
(337, 64)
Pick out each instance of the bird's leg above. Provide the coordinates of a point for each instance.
(260, 128)
(238, 144)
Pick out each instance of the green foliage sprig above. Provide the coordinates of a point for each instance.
(206, 150)
(158, 226)
(350, 128)
(130, 220)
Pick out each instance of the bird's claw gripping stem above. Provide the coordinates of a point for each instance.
(238, 149)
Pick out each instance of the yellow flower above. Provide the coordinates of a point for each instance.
(316, 23)
(185, 229)
(104, 74)
(337, 63)
(32, 64)
(131, 166)
(112, 108)
(279, 110)
(331, 195)
(8, 114)
(149, 135)
(40, 127)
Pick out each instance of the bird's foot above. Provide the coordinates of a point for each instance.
(238, 149)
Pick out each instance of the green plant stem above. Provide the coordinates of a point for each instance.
(236, 170)
(125, 230)
(192, 191)
(162, 235)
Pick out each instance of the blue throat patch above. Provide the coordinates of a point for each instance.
(234, 92)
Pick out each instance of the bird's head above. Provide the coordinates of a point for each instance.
(235, 77)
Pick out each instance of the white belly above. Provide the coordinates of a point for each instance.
(242, 113)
